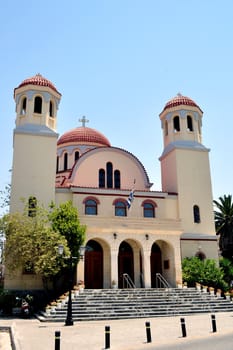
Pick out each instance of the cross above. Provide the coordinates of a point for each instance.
(83, 121)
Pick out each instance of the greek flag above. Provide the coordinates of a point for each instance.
(130, 198)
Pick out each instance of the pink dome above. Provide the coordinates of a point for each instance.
(38, 80)
(84, 135)
(180, 100)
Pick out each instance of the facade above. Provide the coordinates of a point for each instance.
(160, 227)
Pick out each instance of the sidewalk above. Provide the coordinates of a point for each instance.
(124, 334)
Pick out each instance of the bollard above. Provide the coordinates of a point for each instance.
(148, 332)
(213, 323)
(57, 340)
(107, 337)
(183, 327)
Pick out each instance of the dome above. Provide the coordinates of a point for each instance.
(84, 135)
(180, 100)
(38, 80)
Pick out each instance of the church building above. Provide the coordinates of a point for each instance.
(131, 229)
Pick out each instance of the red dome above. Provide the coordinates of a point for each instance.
(84, 135)
(38, 80)
(180, 100)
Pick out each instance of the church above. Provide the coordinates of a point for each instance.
(131, 229)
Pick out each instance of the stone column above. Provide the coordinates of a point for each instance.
(80, 271)
(114, 266)
(146, 267)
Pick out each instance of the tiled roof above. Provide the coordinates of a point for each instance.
(180, 100)
(38, 80)
(84, 135)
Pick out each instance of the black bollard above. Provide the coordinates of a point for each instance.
(148, 332)
(107, 337)
(57, 340)
(183, 327)
(213, 323)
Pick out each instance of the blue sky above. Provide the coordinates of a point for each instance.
(118, 63)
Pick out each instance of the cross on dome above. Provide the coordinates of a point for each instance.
(83, 121)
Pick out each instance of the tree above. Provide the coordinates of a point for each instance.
(205, 272)
(223, 215)
(64, 219)
(31, 244)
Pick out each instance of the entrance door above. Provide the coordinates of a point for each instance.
(93, 265)
(125, 262)
(155, 263)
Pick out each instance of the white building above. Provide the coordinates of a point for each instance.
(159, 229)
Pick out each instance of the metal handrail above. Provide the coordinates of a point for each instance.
(127, 281)
(161, 282)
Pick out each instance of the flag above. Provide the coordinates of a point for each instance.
(131, 197)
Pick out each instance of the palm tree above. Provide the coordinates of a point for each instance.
(223, 216)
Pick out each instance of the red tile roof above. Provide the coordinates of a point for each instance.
(84, 135)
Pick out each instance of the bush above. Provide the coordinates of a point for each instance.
(205, 272)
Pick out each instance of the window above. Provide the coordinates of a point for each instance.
(57, 166)
(120, 208)
(76, 156)
(23, 106)
(165, 128)
(117, 179)
(176, 124)
(65, 161)
(101, 178)
(32, 203)
(38, 105)
(189, 123)
(196, 214)
(91, 207)
(148, 210)
(51, 109)
(109, 175)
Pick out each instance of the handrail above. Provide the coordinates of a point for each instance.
(127, 281)
(161, 282)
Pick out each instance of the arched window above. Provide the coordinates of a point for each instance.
(165, 128)
(32, 203)
(76, 156)
(101, 178)
(23, 106)
(120, 208)
(200, 255)
(189, 123)
(109, 175)
(51, 109)
(57, 164)
(196, 214)
(38, 105)
(148, 210)
(117, 179)
(176, 124)
(65, 161)
(91, 207)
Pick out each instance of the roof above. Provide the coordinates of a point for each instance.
(38, 80)
(180, 100)
(84, 135)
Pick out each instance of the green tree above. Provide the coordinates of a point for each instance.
(64, 219)
(227, 267)
(205, 272)
(223, 215)
(32, 244)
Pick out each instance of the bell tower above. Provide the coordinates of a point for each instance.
(34, 142)
(185, 165)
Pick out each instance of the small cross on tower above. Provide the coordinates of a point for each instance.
(83, 121)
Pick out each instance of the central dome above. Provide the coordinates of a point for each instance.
(84, 135)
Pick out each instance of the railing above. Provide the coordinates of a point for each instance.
(127, 281)
(161, 282)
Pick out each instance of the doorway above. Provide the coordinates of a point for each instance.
(93, 265)
(155, 263)
(125, 262)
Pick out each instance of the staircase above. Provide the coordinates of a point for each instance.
(101, 304)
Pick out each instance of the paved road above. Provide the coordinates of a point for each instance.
(124, 335)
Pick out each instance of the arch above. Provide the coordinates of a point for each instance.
(189, 123)
(91, 205)
(200, 255)
(38, 105)
(176, 123)
(149, 208)
(155, 263)
(196, 214)
(23, 105)
(101, 178)
(76, 155)
(120, 207)
(117, 179)
(57, 164)
(125, 262)
(93, 271)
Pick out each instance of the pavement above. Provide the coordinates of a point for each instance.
(31, 334)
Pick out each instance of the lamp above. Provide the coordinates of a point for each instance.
(82, 252)
(115, 235)
(147, 236)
